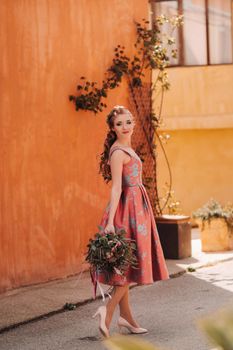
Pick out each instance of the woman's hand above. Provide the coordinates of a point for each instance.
(109, 228)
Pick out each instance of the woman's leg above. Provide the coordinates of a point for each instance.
(125, 310)
(117, 294)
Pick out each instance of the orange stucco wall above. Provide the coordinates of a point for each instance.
(52, 197)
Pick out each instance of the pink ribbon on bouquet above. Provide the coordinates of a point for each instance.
(96, 284)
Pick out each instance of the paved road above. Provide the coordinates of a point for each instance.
(169, 309)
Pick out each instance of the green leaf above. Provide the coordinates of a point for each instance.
(120, 342)
(219, 328)
(191, 269)
(69, 306)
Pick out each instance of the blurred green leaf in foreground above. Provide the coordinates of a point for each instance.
(124, 342)
(219, 328)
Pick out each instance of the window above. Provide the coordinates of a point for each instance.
(219, 29)
(206, 36)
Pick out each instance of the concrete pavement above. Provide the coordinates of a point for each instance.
(40, 301)
(170, 310)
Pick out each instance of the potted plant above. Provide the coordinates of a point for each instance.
(216, 225)
(174, 228)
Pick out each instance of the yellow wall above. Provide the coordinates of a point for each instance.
(198, 114)
(52, 197)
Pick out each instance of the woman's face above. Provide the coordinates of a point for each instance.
(123, 125)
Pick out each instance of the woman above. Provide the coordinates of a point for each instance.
(129, 208)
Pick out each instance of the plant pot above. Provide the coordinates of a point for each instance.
(215, 235)
(175, 235)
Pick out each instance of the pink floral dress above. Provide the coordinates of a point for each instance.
(135, 215)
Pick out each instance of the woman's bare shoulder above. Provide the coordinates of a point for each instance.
(117, 153)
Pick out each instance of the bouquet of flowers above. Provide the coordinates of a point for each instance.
(111, 253)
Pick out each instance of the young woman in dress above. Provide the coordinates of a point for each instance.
(129, 208)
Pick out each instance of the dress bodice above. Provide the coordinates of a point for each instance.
(132, 171)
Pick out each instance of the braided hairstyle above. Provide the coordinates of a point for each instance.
(104, 167)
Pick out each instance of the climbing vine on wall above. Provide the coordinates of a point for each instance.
(151, 53)
(92, 98)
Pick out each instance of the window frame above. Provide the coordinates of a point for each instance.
(181, 35)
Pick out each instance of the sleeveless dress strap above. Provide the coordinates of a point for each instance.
(119, 148)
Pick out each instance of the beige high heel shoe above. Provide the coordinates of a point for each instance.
(135, 330)
(101, 311)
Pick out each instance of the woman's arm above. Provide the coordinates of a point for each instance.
(116, 162)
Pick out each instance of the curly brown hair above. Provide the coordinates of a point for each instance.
(104, 167)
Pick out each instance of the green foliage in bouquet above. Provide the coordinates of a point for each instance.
(111, 252)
